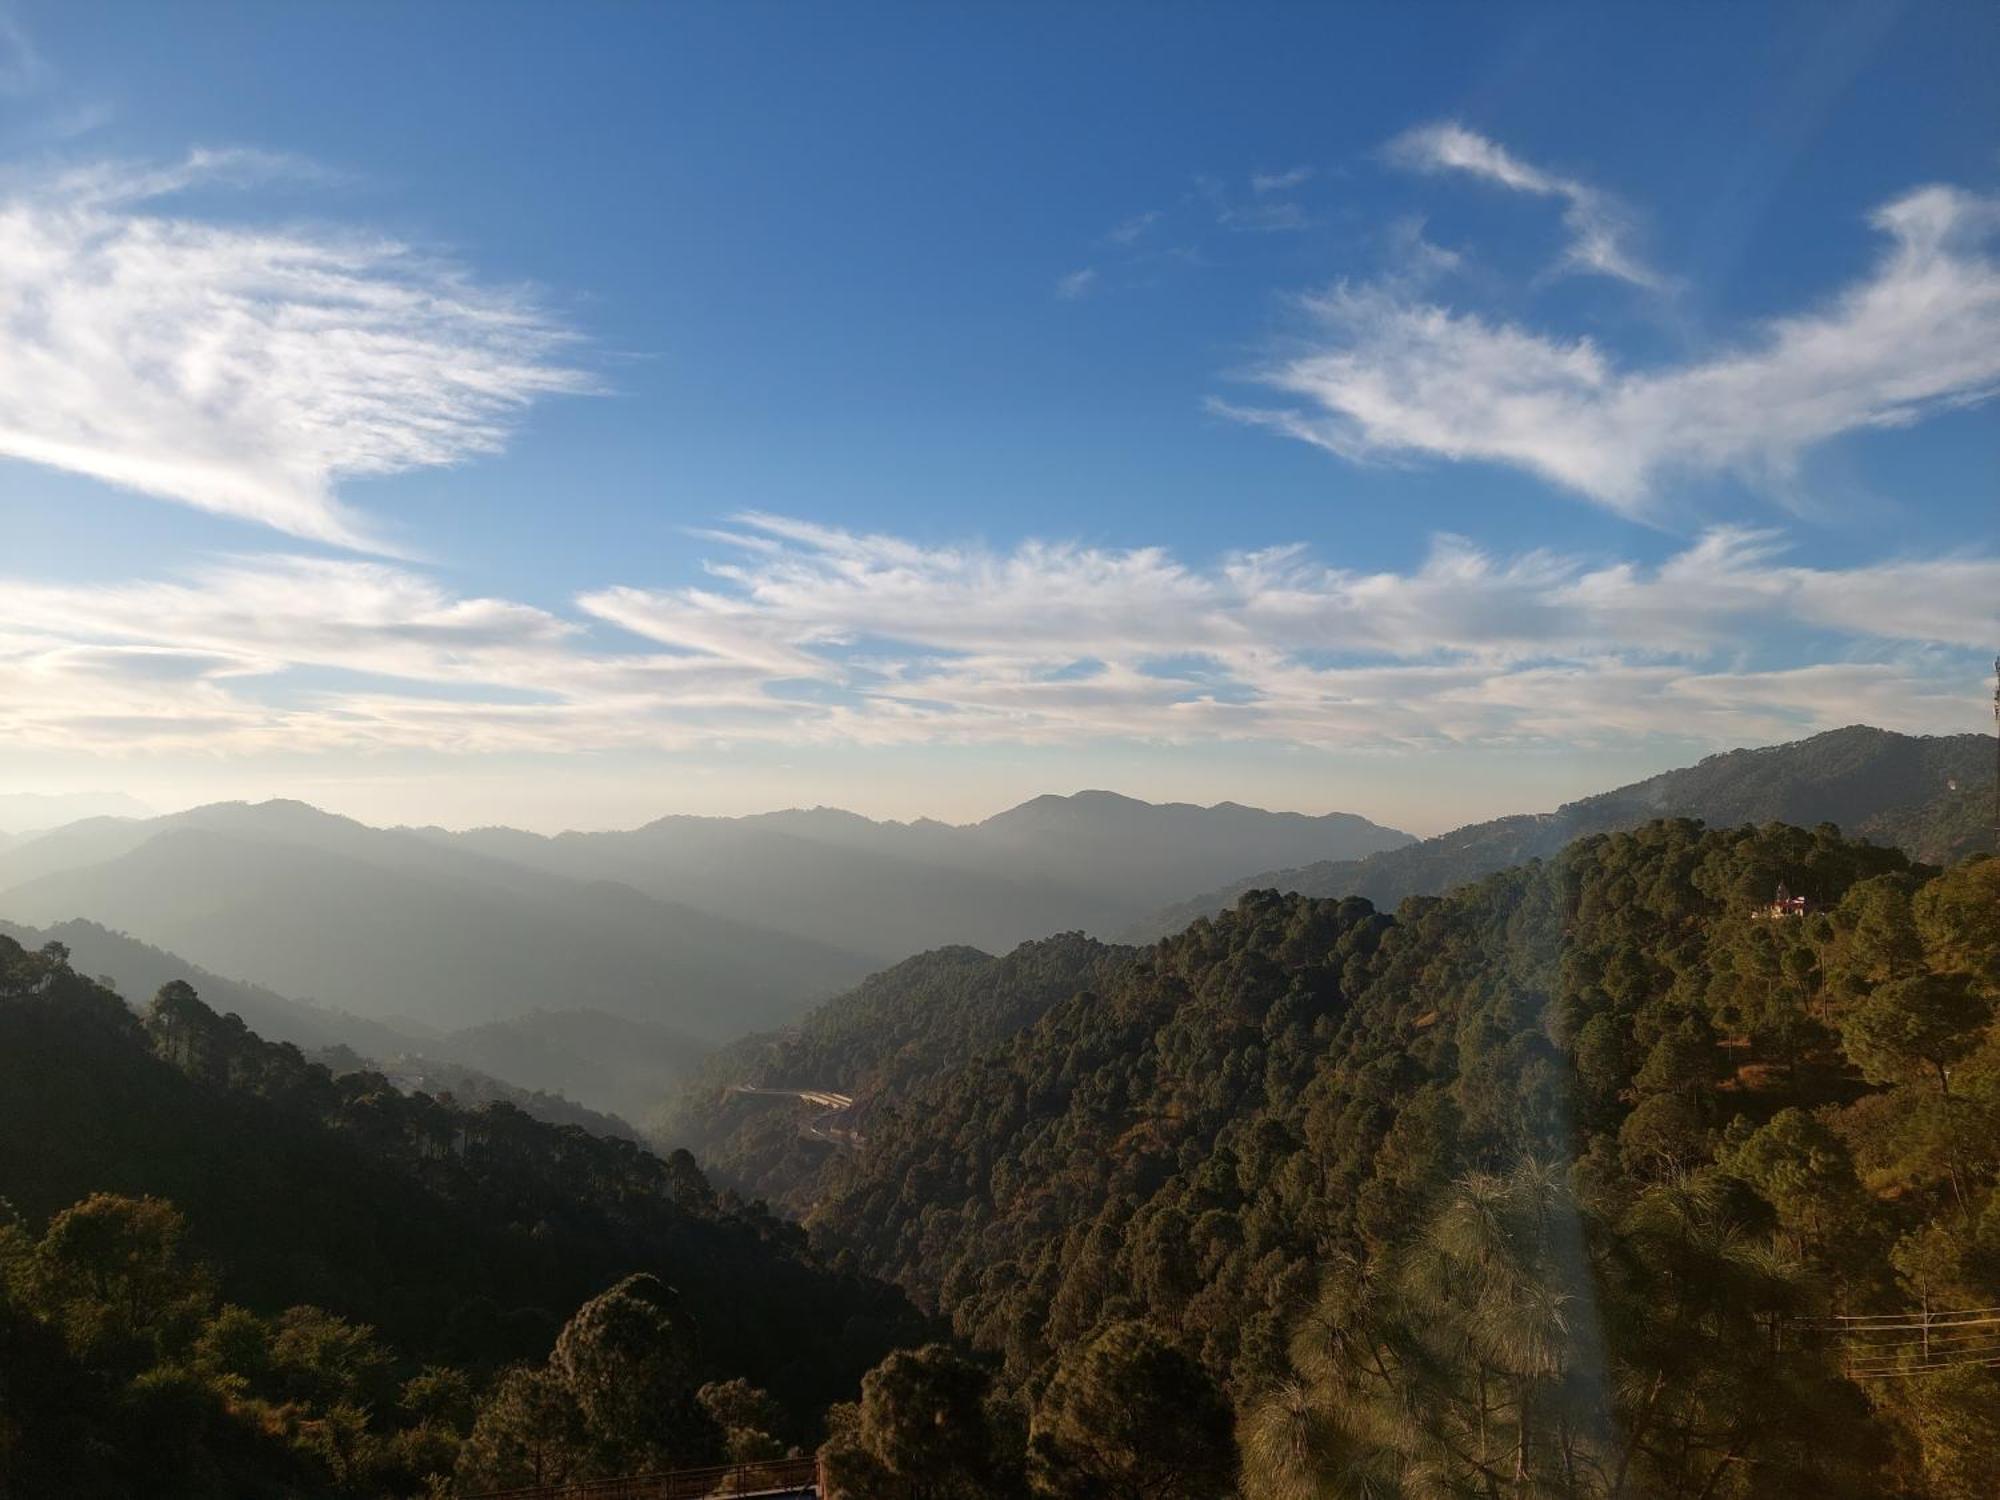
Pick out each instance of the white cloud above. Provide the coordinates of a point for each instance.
(266, 613)
(1260, 213)
(1051, 643)
(810, 634)
(1388, 375)
(246, 370)
(1076, 284)
(1598, 225)
(1280, 182)
(1131, 230)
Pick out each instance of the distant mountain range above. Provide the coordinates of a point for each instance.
(1931, 796)
(709, 927)
(601, 964)
(28, 812)
(400, 928)
(1094, 862)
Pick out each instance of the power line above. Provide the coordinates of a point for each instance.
(1897, 1327)
(1893, 1345)
(1956, 1312)
(1921, 1325)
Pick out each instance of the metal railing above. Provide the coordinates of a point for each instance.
(777, 1476)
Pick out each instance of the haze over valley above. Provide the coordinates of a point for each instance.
(712, 926)
(603, 967)
(864, 751)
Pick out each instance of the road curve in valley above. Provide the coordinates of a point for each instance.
(828, 1125)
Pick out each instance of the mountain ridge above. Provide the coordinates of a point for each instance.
(710, 927)
(560, 1079)
(447, 938)
(1093, 860)
(1863, 779)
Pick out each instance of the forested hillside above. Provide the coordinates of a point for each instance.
(225, 1270)
(1930, 796)
(547, 1062)
(614, 1062)
(1533, 1189)
(1547, 1187)
(137, 971)
(880, 1043)
(1954, 824)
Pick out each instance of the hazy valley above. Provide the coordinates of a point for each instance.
(602, 966)
(1054, 1156)
(873, 751)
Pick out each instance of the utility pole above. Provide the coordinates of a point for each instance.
(1996, 755)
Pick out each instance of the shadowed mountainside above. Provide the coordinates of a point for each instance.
(552, 1067)
(462, 1234)
(879, 1042)
(706, 927)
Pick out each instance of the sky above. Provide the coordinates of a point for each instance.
(566, 415)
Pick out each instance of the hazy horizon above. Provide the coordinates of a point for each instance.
(425, 802)
(582, 439)
(1502, 497)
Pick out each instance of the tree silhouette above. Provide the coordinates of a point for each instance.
(919, 1432)
(1128, 1417)
(627, 1360)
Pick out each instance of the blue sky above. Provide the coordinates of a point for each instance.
(567, 414)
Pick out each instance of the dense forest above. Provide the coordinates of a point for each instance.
(225, 1270)
(1557, 1184)
(1544, 1187)
(905, 1028)
(550, 1063)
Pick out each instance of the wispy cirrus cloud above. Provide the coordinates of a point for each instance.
(1076, 284)
(1266, 209)
(1599, 226)
(1129, 252)
(247, 370)
(1135, 227)
(810, 634)
(1262, 183)
(1384, 374)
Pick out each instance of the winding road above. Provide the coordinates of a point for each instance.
(824, 1126)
